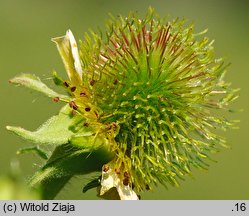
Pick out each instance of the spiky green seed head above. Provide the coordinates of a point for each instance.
(150, 87)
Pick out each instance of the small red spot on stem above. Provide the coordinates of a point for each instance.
(86, 124)
(105, 168)
(92, 82)
(114, 126)
(66, 84)
(73, 89)
(56, 99)
(117, 171)
(126, 181)
(87, 109)
(83, 94)
(115, 82)
(126, 174)
(96, 114)
(73, 105)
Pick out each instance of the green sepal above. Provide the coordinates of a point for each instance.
(58, 80)
(65, 162)
(34, 149)
(34, 82)
(56, 131)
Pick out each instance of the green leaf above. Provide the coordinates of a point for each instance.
(57, 130)
(58, 80)
(33, 82)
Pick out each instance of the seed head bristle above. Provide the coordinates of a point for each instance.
(151, 86)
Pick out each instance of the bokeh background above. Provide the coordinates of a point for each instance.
(26, 28)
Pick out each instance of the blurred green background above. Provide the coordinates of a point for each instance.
(26, 27)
